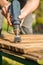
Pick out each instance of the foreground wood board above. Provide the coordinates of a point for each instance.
(31, 46)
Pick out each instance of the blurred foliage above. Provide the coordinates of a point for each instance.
(8, 61)
(38, 26)
(39, 20)
(39, 13)
(6, 26)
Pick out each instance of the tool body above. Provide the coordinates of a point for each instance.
(15, 12)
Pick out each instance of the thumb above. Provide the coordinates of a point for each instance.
(20, 17)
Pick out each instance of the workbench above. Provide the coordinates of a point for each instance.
(30, 47)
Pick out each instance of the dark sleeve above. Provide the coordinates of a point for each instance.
(22, 3)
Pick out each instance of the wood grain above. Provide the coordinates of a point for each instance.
(31, 45)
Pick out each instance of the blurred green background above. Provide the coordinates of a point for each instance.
(38, 25)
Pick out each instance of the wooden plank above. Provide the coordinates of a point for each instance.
(26, 38)
(33, 56)
(31, 45)
(34, 42)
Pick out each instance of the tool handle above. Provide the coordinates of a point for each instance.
(15, 11)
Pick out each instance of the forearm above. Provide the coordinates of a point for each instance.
(3, 2)
(30, 6)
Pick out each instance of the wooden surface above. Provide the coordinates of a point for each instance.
(31, 46)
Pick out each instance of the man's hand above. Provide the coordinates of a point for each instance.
(29, 7)
(5, 12)
(22, 15)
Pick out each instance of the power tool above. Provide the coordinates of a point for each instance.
(15, 12)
